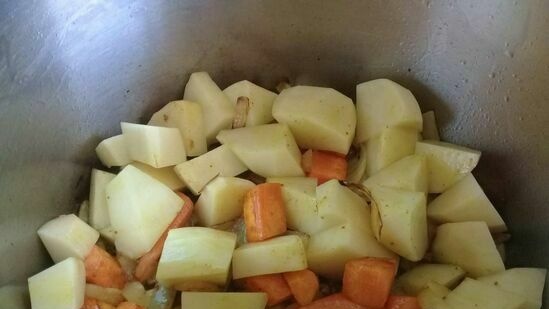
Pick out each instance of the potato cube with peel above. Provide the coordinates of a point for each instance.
(140, 209)
(391, 145)
(217, 110)
(382, 104)
(113, 151)
(62, 286)
(275, 255)
(418, 278)
(67, 236)
(99, 213)
(473, 294)
(222, 200)
(432, 297)
(187, 117)
(260, 101)
(197, 172)
(223, 300)
(447, 163)
(196, 254)
(268, 150)
(155, 146)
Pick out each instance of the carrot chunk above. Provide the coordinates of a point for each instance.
(103, 269)
(334, 301)
(303, 284)
(324, 165)
(273, 285)
(402, 302)
(264, 213)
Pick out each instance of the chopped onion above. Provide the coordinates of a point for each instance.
(109, 295)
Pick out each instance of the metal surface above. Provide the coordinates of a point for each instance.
(71, 70)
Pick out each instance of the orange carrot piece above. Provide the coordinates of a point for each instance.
(147, 264)
(334, 301)
(128, 305)
(103, 269)
(402, 302)
(324, 165)
(368, 281)
(303, 284)
(92, 303)
(264, 213)
(273, 285)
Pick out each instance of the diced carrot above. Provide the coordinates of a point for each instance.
(402, 302)
(368, 281)
(103, 269)
(92, 303)
(273, 285)
(303, 284)
(324, 165)
(128, 305)
(334, 301)
(264, 213)
(147, 264)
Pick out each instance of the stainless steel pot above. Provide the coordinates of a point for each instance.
(71, 70)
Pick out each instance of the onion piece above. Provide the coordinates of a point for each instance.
(242, 108)
(108, 295)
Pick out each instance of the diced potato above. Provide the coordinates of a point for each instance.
(465, 201)
(430, 128)
(135, 292)
(140, 209)
(276, 255)
(15, 296)
(473, 294)
(261, 101)
(197, 286)
(187, 117)
(409, 173)
(433, 297)
(67, 236)
(303, 236)
(109, 295)
(525, 282)
(417, 279)
(447, 163)
(217, 109)
(201, 300)
(267, 150)
(319, 118)
(300, 202)
(61, 286)
(221, 161)
(389, 146)
(84, 211)
(196, 254)
(155, 146)
(113, 152)
(468, 245)
(399, 221)
(165, 175)
(99, 213)
(356, 169)
(329, 250)
(382, 103)
(222, 200)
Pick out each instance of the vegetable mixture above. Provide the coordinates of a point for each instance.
(244, 198)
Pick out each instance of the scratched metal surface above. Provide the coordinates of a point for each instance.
(71, 70)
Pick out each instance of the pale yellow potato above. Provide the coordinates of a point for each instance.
(356, 169)
(109, 295)
(62, 286)
(140, 210)
(447, 163)
(193, 254)
(525, 282)
(319, 118)
(197, 172)
(268, 150)
(261, 101)
(381, 104)
(417, 279)
(468, 245)
(217, 110)
(219, 300)
(389, 146)
(465, 201)
(430, 129)
(275, 255)
(165, 175)
(304, 185)
(222, 200)
(155, 146)
(432, 297)
(408, 173)
(399, 221)
(67, 236)
(113, 151)
(329, 250)
(99, 213)
(187, 117)
(473, 294)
